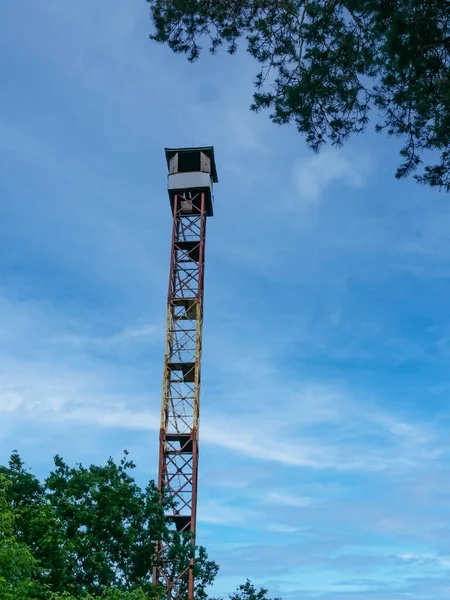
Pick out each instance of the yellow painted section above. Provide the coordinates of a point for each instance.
(165, 378)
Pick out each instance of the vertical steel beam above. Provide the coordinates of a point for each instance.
(178, 440)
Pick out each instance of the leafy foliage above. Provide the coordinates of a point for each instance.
(248, 591)
(17, 564)
(325, 64)
(89, 533)
(92, 531)
(179, 552)
(110, 594)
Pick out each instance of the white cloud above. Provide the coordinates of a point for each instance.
(57, 377)
(219, 513)
(279, 528)
(442, 561)
(314, 175)
(132, 335)
(66, 396)
(289, 500)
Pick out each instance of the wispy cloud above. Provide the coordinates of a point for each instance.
(285, 499)
(128, 337)
(313, 175)
(319, 417)
(219, 513)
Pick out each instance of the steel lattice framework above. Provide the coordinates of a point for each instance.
(178, 450)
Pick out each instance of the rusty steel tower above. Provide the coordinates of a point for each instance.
(192, 172)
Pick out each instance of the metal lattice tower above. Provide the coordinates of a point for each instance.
(192, 172)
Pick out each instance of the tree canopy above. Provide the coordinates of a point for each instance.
(329, 66)
(248, 591)
(85, 533)
(17, 564)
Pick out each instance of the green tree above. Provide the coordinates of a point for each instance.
(35, 522)
(248, 591)
(17, 564)
(325, 64)
(111, 594)
(177, 558)
(93, 530)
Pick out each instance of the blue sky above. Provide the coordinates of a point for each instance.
(324, 431)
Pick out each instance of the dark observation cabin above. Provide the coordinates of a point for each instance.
(192, 171)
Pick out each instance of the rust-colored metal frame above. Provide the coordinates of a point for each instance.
(178, 446)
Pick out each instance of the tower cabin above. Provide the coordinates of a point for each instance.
(192, 171)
